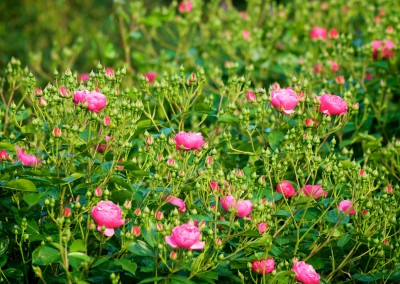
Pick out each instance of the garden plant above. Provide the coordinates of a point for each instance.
(203, 142)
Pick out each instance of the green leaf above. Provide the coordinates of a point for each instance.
(32, 198)
(3, 260)
(44, 255)
(72, 178)
(7, 146)
(78, 245)
(343, 240)
(207, 275)
(275, 137)
(121, 182)
(150, 280)
(317, 262)
(180, 279)
(282, 213)
(76, 258)
(13, 273)
(21, 184)
(140, 248)
(4, 242)
(120, 196)
(126, 265)
(228, 119)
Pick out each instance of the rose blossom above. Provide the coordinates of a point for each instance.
(251, 98)
(151, 76)
(185, 6)
(96, 101)
(318, 33)
(346, 206)
(286, 188)
(84, 77)
(188, 141)
(80, 97)
(185, 236)
(109, 215)
(3, 155)
(385, 51)
(332, 105)
(334, 65)
(315, 191)
(284, 100)
(333, 33)
(25, 159)
(262, 227)
(263, 266)
(243, 207)
(305, 273)
(177, 202)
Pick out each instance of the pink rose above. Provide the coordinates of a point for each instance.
(109, 215)
(315, 191)
(96, 101)
(333, 33)
(185, 236)
(305, 273)
(243, 207)
(64, 92)
(332, 105)
(334, 65)
(214, 185)
(262, 227)
(318, 33)
(25, 159)
(80, 97)
(188, 141)
(185, 6)
(286, 188)
(346, 206)
(251, 98)
(3, 155)
(151, 76)
(382, 50)
(110, 72)
(340, 80)
(284, 100)
(263, 266)
(177, 202)
(84, 77)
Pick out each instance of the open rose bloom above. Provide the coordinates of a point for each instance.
(25, 159)
(108, 215)
(243, 207)
(94, 101)
(305, 273)
(286, 188)
(318, 33)
(315, 191)
(332, 105)
(189, 141)
(346, 206)
(177, 202)
(284, 100)
(263, 266)
(185, 236)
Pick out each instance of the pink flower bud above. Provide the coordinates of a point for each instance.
(138, 212)
(318, 68)
(171, 162)
(389, 29)
(214, 185)
(209, 160)
(262, 227)
(192, 79)
(364, 212)
(311, 122)
(98, 192)
(345, 206)
(57, 132)
(128, 205)
(109, 72)
(368, 76)
(389, 189)
(333, 33)
(361, 172)
(136, 231)
(38, 92)
(3, 155)
(159, 227)
(251, 98)
(173, 255)
(42, 102)
(151, 76)
(64, 92)
(67, 212)
(159, 215)
(246, 34)
(318, 33)
(106, 121)
(84, 77)
(275, 86)
(149, 140)
(334, 65)
(340, 80)
(185, 6)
